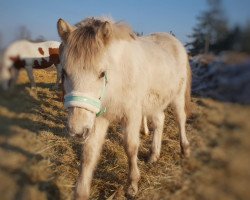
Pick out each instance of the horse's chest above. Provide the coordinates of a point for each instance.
(157, 99)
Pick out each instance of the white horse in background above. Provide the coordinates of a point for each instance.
(111, 74)
(28, 55)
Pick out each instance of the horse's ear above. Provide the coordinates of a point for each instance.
(64, 29)
(106, 31)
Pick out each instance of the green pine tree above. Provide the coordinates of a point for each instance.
(212, 27)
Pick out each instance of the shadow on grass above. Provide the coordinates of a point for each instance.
(22, 102)
(19, 107)
(23, 180)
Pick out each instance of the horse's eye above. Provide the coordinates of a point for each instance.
(102, 74)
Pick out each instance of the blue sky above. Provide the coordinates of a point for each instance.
(147, 16)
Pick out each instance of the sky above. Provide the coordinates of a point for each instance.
(147, 16)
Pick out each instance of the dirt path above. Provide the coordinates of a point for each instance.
(38, 161)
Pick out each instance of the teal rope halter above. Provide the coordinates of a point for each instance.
(78, 99)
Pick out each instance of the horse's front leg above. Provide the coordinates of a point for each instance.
(29, 70)
(91, 152)
(58, 75)
(15, 75)
(131, 144)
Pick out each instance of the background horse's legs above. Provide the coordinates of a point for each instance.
(158, 122)
(131, 144)
(14, 76)
(179, 105)
(29, 70)
(58, 75)
(91, 152)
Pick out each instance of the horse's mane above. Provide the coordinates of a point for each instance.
(90, 38)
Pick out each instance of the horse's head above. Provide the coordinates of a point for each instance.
(84, 71)
(9, 71)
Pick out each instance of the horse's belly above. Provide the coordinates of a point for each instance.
(40, 63)
(156, 101)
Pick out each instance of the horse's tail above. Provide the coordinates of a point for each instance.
(188, 104)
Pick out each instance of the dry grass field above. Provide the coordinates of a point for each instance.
(39, 161)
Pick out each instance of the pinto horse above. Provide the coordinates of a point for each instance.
(111, 74)
(29, 55)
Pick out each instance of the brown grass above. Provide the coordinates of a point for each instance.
(39, 161)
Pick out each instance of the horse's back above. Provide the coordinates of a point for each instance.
(166, 56)
(172, 46)
(25, 48)
(174, 53)
(29, 51)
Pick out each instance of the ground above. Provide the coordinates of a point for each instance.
(39, 161)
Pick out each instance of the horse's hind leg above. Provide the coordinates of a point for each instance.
(179, 105)
(131, 144)
(158, 122)
(145, 126)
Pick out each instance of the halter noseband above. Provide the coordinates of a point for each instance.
(79, 99)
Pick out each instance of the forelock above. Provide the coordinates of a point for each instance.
(86, 45)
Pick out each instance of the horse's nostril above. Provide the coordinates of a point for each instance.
(86, 132)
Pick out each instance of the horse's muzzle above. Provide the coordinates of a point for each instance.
(81, 135)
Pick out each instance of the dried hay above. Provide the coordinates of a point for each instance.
(39, 161)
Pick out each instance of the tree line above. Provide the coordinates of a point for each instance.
(22, 32)
(213, 34)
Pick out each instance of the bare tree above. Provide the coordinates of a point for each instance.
(23, 33)
(39, 38)
(212, 27)
(1, 41)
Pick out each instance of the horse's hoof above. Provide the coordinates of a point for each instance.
(55, 87)
(185, 150)
(187, 153)
(132, 189)
(153, 158)
(146, 133)
(33, 87)
(81, 197)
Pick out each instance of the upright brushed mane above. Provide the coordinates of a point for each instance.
(88, 41)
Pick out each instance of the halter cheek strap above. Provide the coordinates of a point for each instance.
(79, 99)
